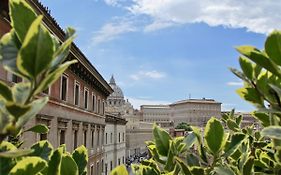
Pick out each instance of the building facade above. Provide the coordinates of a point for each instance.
(75, 113)
(137, 131)
(115, 142)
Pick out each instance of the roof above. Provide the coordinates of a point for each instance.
(155, 106)
(202, 101)
(59, 32)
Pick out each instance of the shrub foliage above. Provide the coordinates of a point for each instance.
(32, 53)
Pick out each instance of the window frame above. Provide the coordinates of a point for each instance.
(86, 90)
(66, 91)
(74, 93)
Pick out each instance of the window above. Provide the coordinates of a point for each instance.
(63, 87)
(93, 132)
(85, 137)
(110, 137)
(94, 102)
(103, 107)
(123, 159)
(86, 97)
(111, 167)
(105, 138)
(43, 136)
(92, 170)
(119, 137)
(99, 105)
(75, 139)
(62, 137)
(123, 137)
(47, 91)
(76, 93)
(119, 162)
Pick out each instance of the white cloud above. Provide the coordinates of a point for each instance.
(148, 74)
(112, 30)
(137, 102)
(258, 16)
(235, 83)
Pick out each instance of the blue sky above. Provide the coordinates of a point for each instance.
(160, 51)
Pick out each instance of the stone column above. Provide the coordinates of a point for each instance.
(69, 136)
(89, 138)
(53, 132)
(96, 138)
(80, 135)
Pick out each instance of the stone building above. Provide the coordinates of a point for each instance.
(75, 112)
(160, 114)
(115, 142)
(195, 112)
(137, 132)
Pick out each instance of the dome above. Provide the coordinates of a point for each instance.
(117, 92)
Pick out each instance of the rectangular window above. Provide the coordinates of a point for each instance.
(99, 105)
(105, 168)
(111, 167)
(93, 138)
(94, 102)
(105, 138)
(92, 170)
(86, 97)
(43, 136)
(110, 137)
(85, 138)
(102, 107)
(63, 87)
(119, 137)
(119, 162)
(75, 139)
(76, 93)
(62, 137)
(123, 159)
(47, 91)
(123, 137)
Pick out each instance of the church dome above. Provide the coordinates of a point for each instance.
(117, 91)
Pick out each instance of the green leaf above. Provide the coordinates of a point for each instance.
(21, 92)
(277, 155)
(248, 167)
(10, 46)
(15, 153)
(28, 166)
(80, 155)
(5, 92)
(223, 170)
(17, 110)
(22, 17)
(37, 50)
(238, 120)
(40, 128)
(251, 95)
(6, 164)
(273, 132)
(235, 142)
(184, 168)
(259, 58)
(263, 118)
(190, 139)
(68, 165)
(54, 165)
(42, 149)
(62, 52)
(239, 74)
(192, 160)
(214, 135)
(53, 76)
(246, 67)
(119, 170)
(36, 107)
(196, 170)
(151, 163)
(273, 46)
(232, 125)
(161, 138)
(169, 166)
